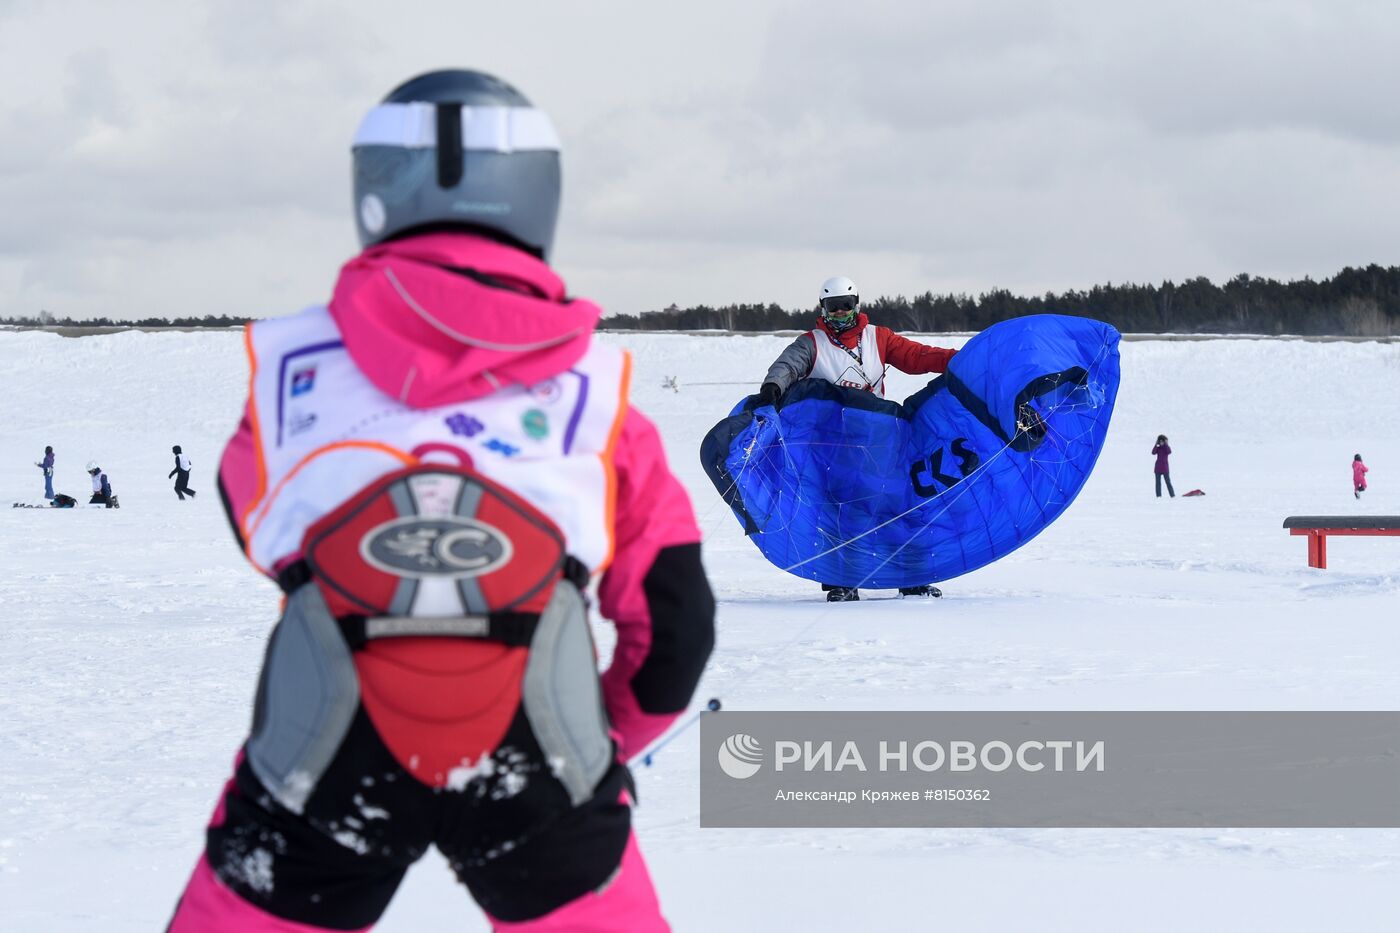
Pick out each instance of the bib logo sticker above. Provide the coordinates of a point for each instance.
(448, 547)
(536, 424)
(303, 381)
(547, 392)
(464, 425)
(301, 422)
(740, 756)
(853, 378)
(501, 447)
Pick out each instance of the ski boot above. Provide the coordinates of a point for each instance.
(842, 594)
(928, 589)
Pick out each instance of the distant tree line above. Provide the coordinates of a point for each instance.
(45, 319)
(1361, 302)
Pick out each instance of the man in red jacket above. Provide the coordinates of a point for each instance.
(845, 350)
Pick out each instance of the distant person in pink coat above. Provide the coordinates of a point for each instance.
(1163, 472)
(1358, 476)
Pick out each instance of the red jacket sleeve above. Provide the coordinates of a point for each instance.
(655, 592)
(909, 356)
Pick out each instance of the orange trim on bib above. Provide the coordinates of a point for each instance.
(261, 489)
(609, 464)
(404, 458)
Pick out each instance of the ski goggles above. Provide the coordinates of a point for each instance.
(838, 305)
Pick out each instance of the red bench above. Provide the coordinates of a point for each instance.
(1318, 527)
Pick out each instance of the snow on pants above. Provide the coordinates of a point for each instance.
(359, 760)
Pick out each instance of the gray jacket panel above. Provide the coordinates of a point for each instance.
(793, 364)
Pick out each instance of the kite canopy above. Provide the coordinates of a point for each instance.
(841, 487)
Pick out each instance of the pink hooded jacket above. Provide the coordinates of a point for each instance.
(1358, 474)
(510, 322)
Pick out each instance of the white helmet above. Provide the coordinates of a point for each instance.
(837, 285)
(838, 301)
(92, 466)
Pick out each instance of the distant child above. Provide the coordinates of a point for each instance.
(101, 487)
(1162, 470)
(1358, 476)
(182, 468)
(47, 467)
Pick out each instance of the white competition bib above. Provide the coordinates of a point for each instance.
(856, 369)
(323, 432)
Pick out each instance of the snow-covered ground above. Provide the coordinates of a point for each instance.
(131, 641)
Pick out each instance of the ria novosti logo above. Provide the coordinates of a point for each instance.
(740, 756)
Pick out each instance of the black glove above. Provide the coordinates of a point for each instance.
(769, 393)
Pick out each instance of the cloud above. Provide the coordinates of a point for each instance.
(738, 151)
(1034, 145)
(166, 143)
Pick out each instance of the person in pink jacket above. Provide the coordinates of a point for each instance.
(1358, 476)
(433, 467)
(1161, 469)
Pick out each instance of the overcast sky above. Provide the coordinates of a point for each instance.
(192, 157)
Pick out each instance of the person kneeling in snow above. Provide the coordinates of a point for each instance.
(101, 488)
(844, 349)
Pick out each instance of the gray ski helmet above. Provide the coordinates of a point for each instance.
(457, 147)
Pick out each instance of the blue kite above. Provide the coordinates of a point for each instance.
(842, 487)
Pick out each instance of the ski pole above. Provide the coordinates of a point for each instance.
(710, 707)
